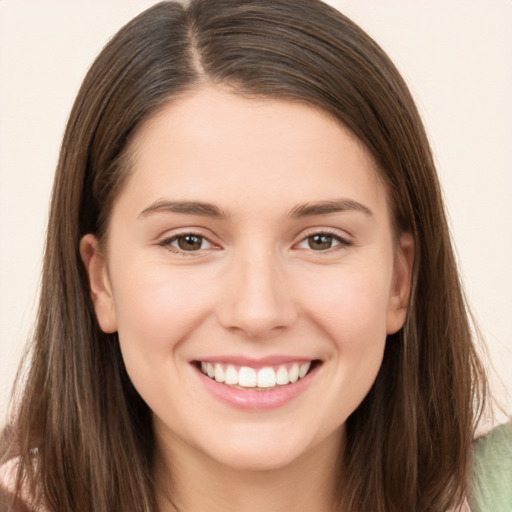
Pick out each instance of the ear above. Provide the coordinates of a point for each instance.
(99, 283)
(401, 286)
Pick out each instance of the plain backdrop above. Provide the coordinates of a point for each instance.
(456, 56)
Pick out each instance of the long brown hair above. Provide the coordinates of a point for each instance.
(408, 444)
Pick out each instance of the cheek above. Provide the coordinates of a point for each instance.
(358, 327)
(157, 310)
(352, 302)
(354, 319)
(158, 306)
(351, 310)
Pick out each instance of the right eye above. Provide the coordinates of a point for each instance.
(186, 242)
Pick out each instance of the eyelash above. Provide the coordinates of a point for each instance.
(167, 243)
(342, 242)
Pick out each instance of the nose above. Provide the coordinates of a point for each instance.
(257, 300)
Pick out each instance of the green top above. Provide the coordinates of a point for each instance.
(492, 465)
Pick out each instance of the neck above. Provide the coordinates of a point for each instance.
(307, 484)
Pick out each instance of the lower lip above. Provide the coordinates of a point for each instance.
(257, 400)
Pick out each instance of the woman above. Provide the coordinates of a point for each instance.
(238, 306)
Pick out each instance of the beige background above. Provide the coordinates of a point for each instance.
(455, 54)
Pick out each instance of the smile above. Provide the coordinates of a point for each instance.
(246, 377)
(257, 385)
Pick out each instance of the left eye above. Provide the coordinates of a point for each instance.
(188, 242)
(321, 242)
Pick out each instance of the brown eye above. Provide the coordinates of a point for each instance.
(189, 242)
(320, 242)
(323, 242)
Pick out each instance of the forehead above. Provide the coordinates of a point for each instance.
(215, 145)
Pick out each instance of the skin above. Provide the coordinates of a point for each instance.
(256, 287)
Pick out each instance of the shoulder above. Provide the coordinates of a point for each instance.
(492, 471)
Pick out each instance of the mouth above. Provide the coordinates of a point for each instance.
(266, 378)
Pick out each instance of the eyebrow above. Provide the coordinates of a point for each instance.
(327, 207)
(211, 210)
(185, 207)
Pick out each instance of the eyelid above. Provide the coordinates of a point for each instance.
(166, 242)
(344, 240)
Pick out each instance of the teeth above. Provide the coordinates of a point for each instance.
(247, 377)
(219, 373)
(303, 369)
(231, 376)
(266, 378)
(293, 374)
(282, 377)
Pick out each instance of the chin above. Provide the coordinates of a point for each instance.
(257, 460)
(258, 452)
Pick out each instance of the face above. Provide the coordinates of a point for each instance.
(251, 242)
